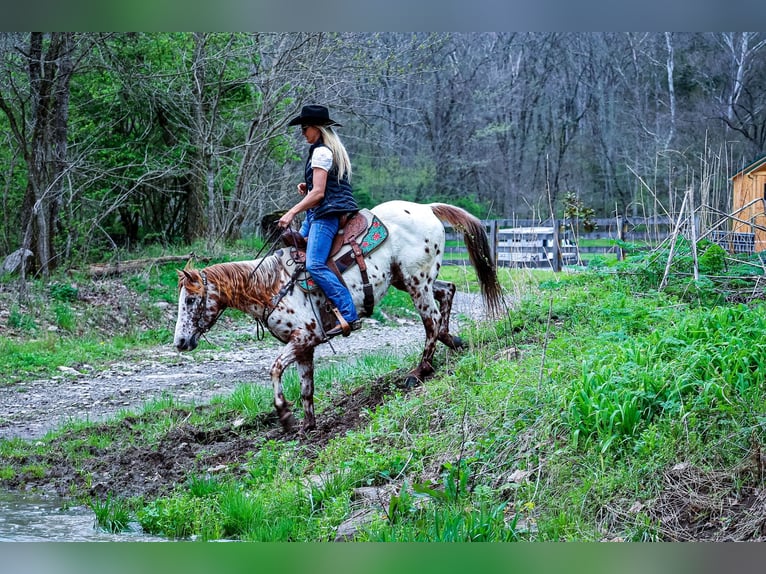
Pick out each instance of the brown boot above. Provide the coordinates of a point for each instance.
(338, 329)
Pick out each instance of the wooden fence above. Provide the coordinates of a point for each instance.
(552, 243)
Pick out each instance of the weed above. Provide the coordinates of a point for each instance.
(202, 486)
(250, 400)
(63, 292)
(179, 517)
(112, 514)
(327, 488)
(241, 512)
(19, 320)
(65, 317)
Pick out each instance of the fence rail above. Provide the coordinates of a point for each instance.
(551, 244)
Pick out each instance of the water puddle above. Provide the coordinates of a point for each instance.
(27, 517)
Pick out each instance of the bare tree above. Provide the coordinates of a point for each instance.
(744, 110)
(34, 96)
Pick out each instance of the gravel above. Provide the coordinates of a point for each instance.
(30, 409)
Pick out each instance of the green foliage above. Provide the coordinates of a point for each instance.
(112, 514)
(179, 517)
(250, 400)
(576, 211)
(328, 488)
(65, 317)
(63, 292)
(395, 303)
(648, 268)
(712, 258)
(440, 514)
(240, 512)
(573, 405)
(19, 320)
(202, 486)
(704, 363)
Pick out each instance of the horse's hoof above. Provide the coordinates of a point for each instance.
(409, 383)
(307, 432)
(457, 342)
(288, 421)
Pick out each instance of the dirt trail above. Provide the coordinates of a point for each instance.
(30, 409)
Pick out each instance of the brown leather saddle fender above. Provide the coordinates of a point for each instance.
(353, 228)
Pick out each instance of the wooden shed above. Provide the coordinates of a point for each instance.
(749, 201)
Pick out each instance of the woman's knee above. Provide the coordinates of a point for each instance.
(314, 267)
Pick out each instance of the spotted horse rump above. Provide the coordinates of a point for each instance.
(409, 259)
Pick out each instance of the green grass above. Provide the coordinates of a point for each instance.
(42, 357)
(112, 514)
(560, 422)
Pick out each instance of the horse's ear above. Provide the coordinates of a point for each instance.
(189, 264)
(184, 273)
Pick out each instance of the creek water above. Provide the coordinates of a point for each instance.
(28, 517)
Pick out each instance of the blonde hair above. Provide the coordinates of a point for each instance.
(339, 154)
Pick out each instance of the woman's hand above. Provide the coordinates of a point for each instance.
(302, 188)
(285, 221)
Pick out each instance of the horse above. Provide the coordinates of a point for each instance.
(409, 260)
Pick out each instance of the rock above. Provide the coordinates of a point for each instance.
(12, 263)
(348, 529)
(69, 370)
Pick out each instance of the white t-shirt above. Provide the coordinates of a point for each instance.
(322, 158)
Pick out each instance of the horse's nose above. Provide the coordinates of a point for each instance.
(182, 344)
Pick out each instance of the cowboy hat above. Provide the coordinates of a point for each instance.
(313, 115)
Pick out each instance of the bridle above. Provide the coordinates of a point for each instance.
(198, 323)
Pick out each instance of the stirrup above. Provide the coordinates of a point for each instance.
(337, 330)
(342, 328)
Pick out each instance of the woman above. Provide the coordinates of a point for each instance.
(327, 196)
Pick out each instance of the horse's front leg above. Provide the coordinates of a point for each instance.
(281, 404)
(305, 364)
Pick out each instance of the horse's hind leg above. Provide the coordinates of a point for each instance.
(444, 293)
(429, 312)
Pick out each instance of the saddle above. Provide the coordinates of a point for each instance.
(358, 235)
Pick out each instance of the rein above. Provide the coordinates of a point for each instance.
(271, 243)
(286, 289)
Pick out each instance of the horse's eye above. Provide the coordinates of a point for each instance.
(190, 301)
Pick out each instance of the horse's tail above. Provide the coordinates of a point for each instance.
(479, 253)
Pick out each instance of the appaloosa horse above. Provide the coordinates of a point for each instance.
(409, 259)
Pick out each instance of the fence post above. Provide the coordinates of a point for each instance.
(620, 237)
(492, 235)
(556, 246)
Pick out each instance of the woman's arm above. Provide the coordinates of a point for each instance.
(312, 198)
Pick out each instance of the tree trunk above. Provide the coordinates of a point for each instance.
(50, 70)
(197, 190)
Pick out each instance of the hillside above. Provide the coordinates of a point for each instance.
(598, 409)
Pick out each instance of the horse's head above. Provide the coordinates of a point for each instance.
(198, 309)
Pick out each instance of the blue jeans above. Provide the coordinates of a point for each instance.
(320, 233)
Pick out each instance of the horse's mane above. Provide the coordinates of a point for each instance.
(238, 284)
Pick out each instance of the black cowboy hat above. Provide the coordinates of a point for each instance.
(313, 115)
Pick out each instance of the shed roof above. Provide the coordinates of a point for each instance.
(754, 166)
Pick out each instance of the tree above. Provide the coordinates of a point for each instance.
(34, 96)
(743, 110)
